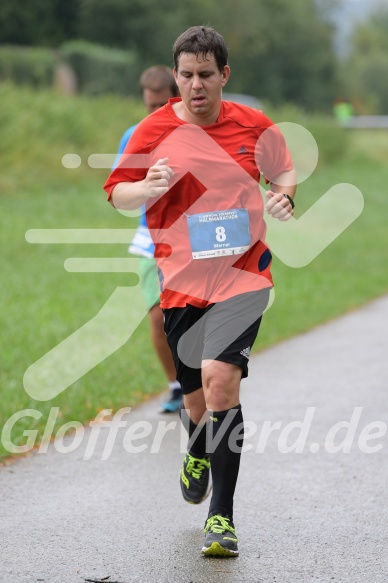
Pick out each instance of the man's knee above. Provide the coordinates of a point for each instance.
(221, 384)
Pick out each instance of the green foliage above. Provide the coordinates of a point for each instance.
(27, 66)
(365, 72)
(102, 70)
(97, 69)
(39, 127)
(367, 82)
(279, 50)
(372, 35)
(332, 140)
(122, 24)
(38, 22)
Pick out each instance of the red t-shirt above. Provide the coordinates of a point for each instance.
(204, 250)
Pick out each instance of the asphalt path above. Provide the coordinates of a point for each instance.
(311, 501)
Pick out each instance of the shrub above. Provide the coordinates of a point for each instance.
(102, 70)
(27, 66)
(332, 140)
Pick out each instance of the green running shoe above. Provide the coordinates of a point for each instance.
(194, 479)
(221, 539)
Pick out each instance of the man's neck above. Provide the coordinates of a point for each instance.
(186, 115)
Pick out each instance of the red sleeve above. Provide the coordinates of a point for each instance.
(134, 162)
(271, 153)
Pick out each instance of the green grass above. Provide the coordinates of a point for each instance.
(347, 274)
(42, 303)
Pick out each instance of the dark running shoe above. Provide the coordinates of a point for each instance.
(221, 539)
(195, 479)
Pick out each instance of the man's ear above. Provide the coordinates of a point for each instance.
(225, 75)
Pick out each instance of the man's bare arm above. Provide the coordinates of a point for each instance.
(131, 195)
(278, 205)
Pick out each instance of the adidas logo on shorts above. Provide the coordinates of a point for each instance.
(245, 352)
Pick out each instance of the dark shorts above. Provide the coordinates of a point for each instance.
(223, 331)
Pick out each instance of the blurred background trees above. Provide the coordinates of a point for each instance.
(365, 71)
(280, 51)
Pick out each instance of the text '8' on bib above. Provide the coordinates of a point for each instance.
(219, 233)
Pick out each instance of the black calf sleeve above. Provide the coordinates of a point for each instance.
(197, 434)
(227, 433)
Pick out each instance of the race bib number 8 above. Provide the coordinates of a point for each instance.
(219, 233)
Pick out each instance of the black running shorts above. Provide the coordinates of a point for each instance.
(223, 331)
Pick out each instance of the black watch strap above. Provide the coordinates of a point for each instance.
(288, 197)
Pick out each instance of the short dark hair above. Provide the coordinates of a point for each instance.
(158, 78)
(201, 40)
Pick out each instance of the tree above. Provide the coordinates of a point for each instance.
(365, 72)
(279, 50)
(38, 22)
